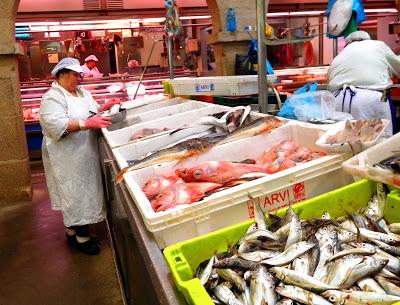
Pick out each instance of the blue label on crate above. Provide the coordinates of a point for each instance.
(204, 87)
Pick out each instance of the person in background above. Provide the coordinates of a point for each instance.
(70, 119)
(359, 74)
(90, 67)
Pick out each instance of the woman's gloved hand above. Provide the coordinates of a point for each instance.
(107, 105)
(97, 122)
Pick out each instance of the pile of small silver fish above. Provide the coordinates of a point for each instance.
(348, 261)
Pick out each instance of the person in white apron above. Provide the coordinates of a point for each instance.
(69, 119)
(359, 74)
(90, 67)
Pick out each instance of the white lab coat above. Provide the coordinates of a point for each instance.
(359, 74)
(367, 64)
(94, 72)
(71, 162)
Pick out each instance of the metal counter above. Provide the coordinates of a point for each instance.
(145, 274)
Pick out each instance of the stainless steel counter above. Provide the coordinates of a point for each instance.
(146, 276)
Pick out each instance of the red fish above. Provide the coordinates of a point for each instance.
(221, 171)
(186, 174)
(182, 193)
(159, 183)
(280, 165)
(268, 157)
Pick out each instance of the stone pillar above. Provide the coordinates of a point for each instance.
(226, 44)
(15, 181)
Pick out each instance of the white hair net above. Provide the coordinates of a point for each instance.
(357, 36)
(67, 63)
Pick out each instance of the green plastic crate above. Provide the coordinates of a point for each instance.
(183, 258)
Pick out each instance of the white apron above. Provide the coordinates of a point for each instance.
(364, 104)
(71, 162)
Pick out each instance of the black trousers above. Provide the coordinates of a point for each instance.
(81, 231)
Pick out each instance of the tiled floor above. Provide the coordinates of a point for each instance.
(37, 267)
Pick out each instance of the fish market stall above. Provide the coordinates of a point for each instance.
(283, 168)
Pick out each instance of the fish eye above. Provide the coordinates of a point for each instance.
(197, 173)
(332, 298)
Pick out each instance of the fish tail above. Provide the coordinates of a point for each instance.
(120, 176)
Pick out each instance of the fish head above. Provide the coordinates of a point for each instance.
(340, 16)
(334, 296)
(164, 200)
(205, 170)
(152, 187)
(185, 174)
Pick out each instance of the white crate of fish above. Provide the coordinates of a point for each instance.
(379, 163)
(157, 127)
(217, 85)
(144, 101)
(353, 136)
(173, 223)
(141, 149)
(156, 113)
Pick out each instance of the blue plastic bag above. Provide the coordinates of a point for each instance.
(287, 110)
(231, 20)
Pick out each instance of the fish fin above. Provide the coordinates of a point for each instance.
(120, 176)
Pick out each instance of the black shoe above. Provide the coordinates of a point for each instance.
(89, 247)
(71, 240)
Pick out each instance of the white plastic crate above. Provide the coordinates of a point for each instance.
(122, 136)
(144, 101)
(361, 165)
(345, 147)
(231, 206)
(137, 150)
(157, 113)
(217, 85)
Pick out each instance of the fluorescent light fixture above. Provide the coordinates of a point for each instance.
(195, 17)
(381, 10)
(306, 13)
(277, 14)
(35, 23)
(152, 20)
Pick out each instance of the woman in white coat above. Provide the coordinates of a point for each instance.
(69, 119)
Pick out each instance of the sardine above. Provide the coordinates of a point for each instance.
(342, 268)
(302, 264)
(367, 268)
(387, 248)
(235, 263)
(359, 297)
(206, 273)
(258, 283)
(295, 232)
(370, 285)
(292, 277)
(388, 286)
(260, 234)
(224, 294)
(301, 295)
(289, 254)
(359, 251)
(259, 255)
(232, 276)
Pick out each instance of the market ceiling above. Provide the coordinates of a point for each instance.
(54, 10)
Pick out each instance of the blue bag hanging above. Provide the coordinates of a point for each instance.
(231, 20)
(287, 110)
